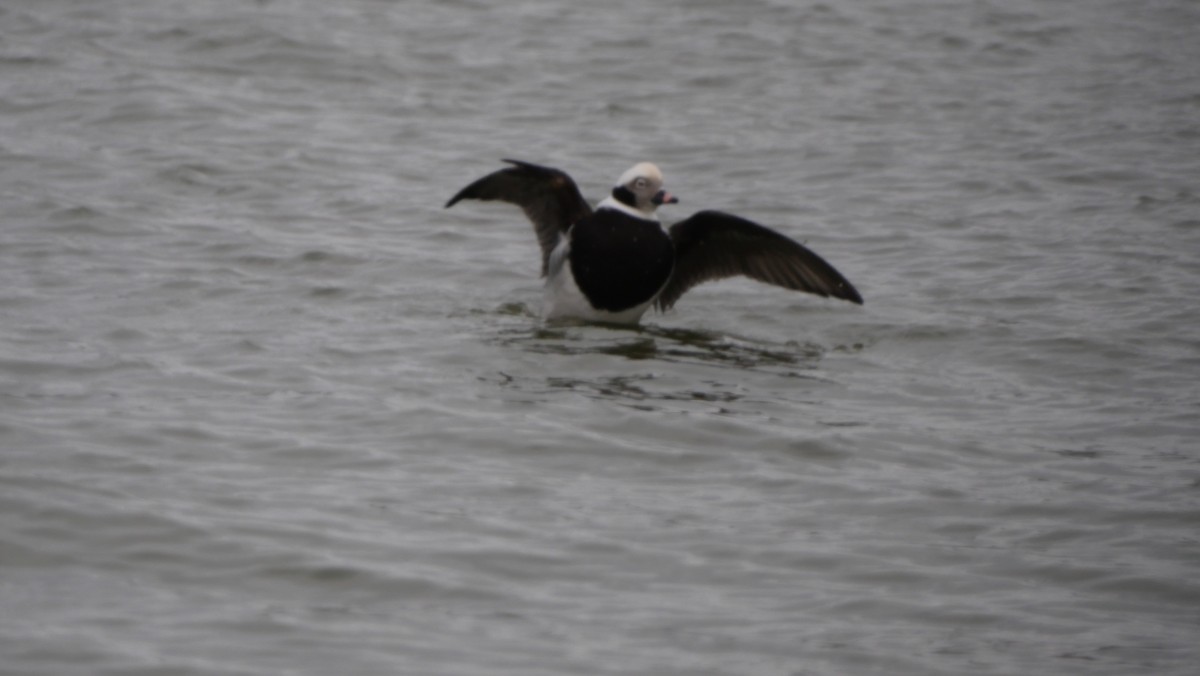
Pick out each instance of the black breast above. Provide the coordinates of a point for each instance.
(619, 261)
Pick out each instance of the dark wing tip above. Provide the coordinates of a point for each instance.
(480, 188)
(839, 286)
(466, 193)
(829, 282)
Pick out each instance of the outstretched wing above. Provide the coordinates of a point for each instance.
(549, 198)
(713, 245)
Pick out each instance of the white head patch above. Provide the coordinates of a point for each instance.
(644, 170)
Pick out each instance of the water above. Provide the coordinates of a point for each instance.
(266, 408)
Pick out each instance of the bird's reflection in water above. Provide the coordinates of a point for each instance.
(732, 357)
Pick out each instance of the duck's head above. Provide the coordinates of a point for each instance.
(641, 187)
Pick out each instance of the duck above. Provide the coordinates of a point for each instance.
(613, 263)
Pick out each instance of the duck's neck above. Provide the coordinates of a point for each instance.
(611, 202)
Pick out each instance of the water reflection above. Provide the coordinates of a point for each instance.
(641, 388)
(633, 378)
(642, 342)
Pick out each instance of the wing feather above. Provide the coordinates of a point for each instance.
(714, 245)
(548, 196)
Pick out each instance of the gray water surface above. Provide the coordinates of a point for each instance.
(267, 408)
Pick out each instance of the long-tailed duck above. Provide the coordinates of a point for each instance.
(613, 263)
